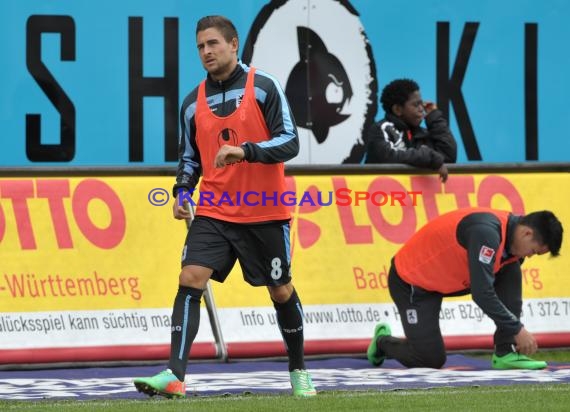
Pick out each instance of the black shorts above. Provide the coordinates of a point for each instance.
(263, 250)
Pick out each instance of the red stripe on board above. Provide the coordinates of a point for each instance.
(239, 350)
(100, 353)
(544, 340)
(349, 346)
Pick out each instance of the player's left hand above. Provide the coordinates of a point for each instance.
(228, 155)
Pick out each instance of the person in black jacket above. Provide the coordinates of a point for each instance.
(399, 138)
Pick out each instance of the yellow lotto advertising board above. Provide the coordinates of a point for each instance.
(94, 261)
(87, 262)
(71, 244)
(342, 253)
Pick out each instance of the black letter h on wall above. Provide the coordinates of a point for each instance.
(140, 86)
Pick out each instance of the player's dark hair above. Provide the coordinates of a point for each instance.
(397, 92)
(223, 24)
(547, 229)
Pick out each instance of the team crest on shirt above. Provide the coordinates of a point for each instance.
(486, 254)
(239, 99)
(227, 136)
(412, 316)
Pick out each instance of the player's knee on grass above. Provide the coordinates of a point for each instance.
(431, 359)
(436, 362)
(428, 354)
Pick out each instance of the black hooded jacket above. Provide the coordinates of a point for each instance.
(393, 141)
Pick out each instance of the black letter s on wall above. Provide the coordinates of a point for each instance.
(35, 150)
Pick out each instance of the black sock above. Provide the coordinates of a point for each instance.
(503, 349)
(185, 322)
(290, 321)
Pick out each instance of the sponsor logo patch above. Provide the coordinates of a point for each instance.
(486, 254)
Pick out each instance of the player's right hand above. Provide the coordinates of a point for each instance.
(429, 107)
(180, 209)
(525, 342)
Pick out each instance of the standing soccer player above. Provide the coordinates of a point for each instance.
(237, 132)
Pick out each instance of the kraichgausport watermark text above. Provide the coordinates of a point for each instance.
(340, 197)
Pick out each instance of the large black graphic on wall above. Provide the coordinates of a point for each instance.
(317, 91)
(319, 53)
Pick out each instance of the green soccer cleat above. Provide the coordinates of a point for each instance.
(302, 383)
(382, 329)
(165, 384)
(515, 360)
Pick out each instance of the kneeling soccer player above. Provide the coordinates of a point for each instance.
(472, 250)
